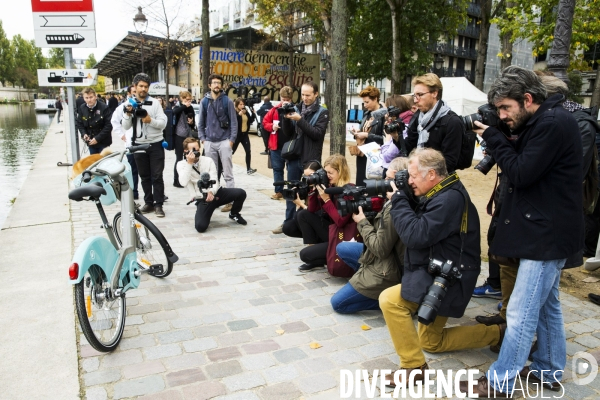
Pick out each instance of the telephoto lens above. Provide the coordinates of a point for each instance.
(378, 187)
(317, 178)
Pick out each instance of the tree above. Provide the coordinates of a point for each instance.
(90, 62)
(339, 55)
(490, 10)
(56, 58)
(24, 61)
(6, 58)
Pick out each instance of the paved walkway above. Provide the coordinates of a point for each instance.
(235, 319)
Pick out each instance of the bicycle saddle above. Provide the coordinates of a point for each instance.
(94, 190)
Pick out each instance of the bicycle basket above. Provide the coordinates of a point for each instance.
(106, 199)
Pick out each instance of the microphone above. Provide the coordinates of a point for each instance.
(205, 177)
(334, 190)
(280, 183)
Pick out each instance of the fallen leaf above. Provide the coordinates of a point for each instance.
(591, 279)
(365, 328)
(315, 345)
(280, 331)
(583, 271)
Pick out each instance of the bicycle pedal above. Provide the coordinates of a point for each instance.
(155, 269)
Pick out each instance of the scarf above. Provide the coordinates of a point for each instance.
(571, 106)
(428, 121)
(305, 110)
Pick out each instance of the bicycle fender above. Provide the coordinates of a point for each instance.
(159, 236)
(95, 250)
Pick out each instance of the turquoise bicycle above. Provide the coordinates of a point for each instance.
(103, 270)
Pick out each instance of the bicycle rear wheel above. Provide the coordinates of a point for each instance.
(102, 321)
(148, 248)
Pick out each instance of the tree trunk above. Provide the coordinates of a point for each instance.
(339, 59)
(205, 67)
(486, 11)
(397, 83)
(506, 46)
(291, 60)
(596, 93)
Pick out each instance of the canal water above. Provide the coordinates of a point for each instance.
(22, 131)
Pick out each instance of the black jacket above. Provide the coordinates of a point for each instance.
(445, 136)
(262, 111)
(251, 117)
(185, 111)
(435, 225)
(375, 135)
(312, 136)
(95, 123)
(113, 103)
(541, 216)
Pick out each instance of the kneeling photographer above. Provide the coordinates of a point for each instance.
(297, 192)
(377, 261)
(441, 264)
(199, 175)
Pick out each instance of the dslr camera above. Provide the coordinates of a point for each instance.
(487, 114)
(296, 189)
(446, 274)
(317, 178)
(196, 153)
(135, 107)
(487, 162)
(287, 108)
(356, 196)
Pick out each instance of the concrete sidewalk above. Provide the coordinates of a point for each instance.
(37, 332)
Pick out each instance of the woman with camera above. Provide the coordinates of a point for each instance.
(183, 125)
(377, 262)
(371, 130)
(321, 211)
(244, 120)
(291, 228)
(394, 127)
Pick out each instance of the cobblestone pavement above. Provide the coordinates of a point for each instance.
(210, 330)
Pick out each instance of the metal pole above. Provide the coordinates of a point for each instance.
(560, 55)
(71, 111)
(142, 36)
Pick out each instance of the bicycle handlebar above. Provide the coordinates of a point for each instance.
(139, 147)
(86, 175)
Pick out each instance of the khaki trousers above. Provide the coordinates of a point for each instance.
(433, 338)
(508, 277)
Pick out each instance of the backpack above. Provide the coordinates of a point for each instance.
(205, 104)
(467, 148)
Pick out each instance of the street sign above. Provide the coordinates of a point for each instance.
(67, 77)
(64, 23)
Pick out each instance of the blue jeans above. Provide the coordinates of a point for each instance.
(294, 173)
(533, 308)
(350, 252)
(278, 165)
(96, 150)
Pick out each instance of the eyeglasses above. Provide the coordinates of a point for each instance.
(419, 95)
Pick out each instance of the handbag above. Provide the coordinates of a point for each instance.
(292, 149)
(374, 168)
(335, 265)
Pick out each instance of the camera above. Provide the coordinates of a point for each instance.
(251, 101)
(396, 126)
(487, 114)
(196, 153)
(487, 162)
(393, 111)
(136, 108)
(287, 108)
(205, 182)
(224, 124)
(446, 274)
(353, 197)
(296, 189)
(317, 178)
(378, 187)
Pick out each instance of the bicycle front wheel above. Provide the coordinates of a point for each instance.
(148, 248)
(102, 321)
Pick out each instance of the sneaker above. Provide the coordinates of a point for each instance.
(486, 290)
(227, 208)
(159, 211)
(165, 198)
(277, 196)
(278, 230)
(146, 208)
(499, 306)
(251, 171)
(238, 218)
(308, 267)
(263, 153)
(490, 320)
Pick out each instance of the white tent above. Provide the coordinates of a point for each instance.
(159, 89)
(461, 96)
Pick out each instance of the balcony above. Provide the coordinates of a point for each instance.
(474, 10)
(470, 31)
(306, 38)
(451, 50)
(453, 72)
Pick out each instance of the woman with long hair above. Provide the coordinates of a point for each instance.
(244, 120)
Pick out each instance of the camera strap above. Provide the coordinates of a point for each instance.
(196, 169)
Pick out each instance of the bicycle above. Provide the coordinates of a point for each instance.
(103, 270)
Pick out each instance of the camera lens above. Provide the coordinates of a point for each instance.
(377, 187)
(433, 300)
(470, 119)
(486, 164)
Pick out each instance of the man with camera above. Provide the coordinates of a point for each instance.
(146, 116)
(217, 128)
(261, 112)
(126, 136)
(441, 265)
(199, 175)
(435, 125)
(541, 223)
(93, 122)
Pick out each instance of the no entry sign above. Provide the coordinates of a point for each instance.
(64, 23)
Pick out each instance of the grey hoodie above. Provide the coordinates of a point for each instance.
(152, 132)
(211, 128)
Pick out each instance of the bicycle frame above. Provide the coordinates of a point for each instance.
(118, 263)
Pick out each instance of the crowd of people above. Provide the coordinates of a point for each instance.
(413, 247)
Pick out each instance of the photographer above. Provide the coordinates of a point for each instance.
(291, 228)
(543, 202)
(371, 130)
(395, 126)
(93, 122)
(148, 121)
(437, 230)
(183, 123)
(245, 118)
(191, 170)
(321, 212)
(377, 262)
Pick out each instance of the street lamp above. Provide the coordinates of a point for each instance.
(438, 64)
(141, 24)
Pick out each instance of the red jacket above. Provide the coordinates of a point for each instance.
(280, 136)
(315, 203)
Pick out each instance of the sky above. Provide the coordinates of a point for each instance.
(113, 19)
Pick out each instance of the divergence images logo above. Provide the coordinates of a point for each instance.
(584, 364)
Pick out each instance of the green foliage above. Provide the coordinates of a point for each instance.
(575, 84)
(25, 63)
(56, 58)
(6, 58)
(91, 61)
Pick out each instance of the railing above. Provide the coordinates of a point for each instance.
(471, 31)
(449, 72)
(451, 50)
(474, 9)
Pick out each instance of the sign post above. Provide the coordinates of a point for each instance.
(71, 111)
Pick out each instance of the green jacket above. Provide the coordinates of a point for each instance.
(379, 267)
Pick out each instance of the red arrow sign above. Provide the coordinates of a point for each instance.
(62, 5)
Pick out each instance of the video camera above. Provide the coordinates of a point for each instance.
(204, 183)
(487, 114)
(135, 107)
(317, 178)
(446, 274)
(287, 108)
(295, 189)
(352, 197)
